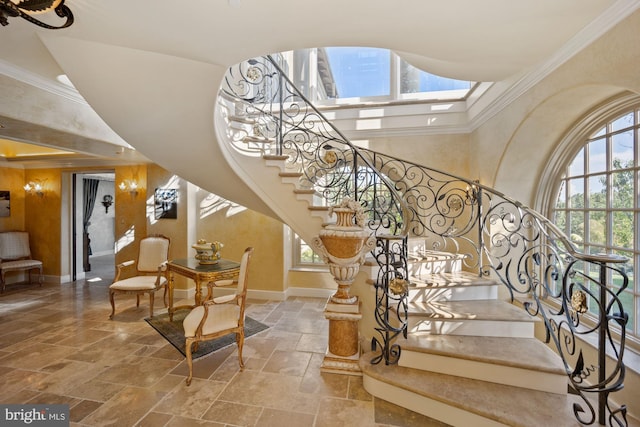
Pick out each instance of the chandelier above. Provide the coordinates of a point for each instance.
(26, 8)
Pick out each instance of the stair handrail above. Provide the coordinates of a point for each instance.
(547, 257)
(326, 154)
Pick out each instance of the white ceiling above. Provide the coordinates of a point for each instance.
(491, 40)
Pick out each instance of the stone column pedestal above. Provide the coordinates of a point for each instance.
(343, 354)
(343, 247)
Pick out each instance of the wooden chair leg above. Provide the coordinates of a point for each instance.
(164, 297)
(188, 345)
(151, 298)
(137, 300)
(240, 342)
(113, 304)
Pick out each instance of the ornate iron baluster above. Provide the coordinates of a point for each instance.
(392, 289)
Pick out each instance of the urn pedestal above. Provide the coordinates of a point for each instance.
(343, 246)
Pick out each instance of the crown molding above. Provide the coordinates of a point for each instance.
(593, 31)
(42, 83)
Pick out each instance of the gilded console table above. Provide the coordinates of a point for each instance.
(199, 273)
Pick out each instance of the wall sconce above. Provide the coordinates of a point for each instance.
(35, 187)
(130, 186)
(107, 201)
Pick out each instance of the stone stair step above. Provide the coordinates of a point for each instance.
(519, 362)
(257, 140)
(275, 157)
(304, 191)
(243, 120)
(459, 401)
(495, 318)
(455, 286)
(422, 262)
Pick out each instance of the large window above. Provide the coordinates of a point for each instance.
(597, 202)
(345, 75)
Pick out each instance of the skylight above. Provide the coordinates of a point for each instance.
(346, 75)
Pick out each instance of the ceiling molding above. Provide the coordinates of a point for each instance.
(594, 30)
(37, 81)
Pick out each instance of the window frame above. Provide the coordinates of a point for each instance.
(556, 173)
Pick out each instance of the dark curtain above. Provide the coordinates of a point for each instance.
(89, 201)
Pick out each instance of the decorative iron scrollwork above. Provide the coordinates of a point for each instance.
(494, 235)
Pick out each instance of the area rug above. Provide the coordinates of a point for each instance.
(174, 332)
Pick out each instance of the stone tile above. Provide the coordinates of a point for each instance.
(67, 379)
(36, 356)
(165, 352)
(124, 409)
(357, 391)
(155, 419)
(233, 413)
(54, 399)
(303, 326)
(96, 390)
(323, 384)
(388, 413)
(22, 396)
(168, 383)
(254, 364)
(227, 370)
(190, 422)
(286, 340)
(269, 390)
(278, 418)
(344, 413)
(83, 337)
(288, 362)
(205, 366)
(78, 412)
(138, 371)
(313, 343)
(259, 347)
(191, 401)
(17, 380)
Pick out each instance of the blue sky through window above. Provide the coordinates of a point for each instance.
(366, 72)
(360, 72)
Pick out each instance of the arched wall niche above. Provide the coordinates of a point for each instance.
(530, 150)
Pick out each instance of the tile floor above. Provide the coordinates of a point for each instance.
(57, 346)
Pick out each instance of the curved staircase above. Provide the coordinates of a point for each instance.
(470, 359)
(456, 351)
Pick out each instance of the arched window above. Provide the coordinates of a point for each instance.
(595, 198)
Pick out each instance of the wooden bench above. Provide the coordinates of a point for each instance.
(15, 255)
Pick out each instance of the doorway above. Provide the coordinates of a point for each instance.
(93, 225)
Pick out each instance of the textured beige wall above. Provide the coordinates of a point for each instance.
(13, 180)
(42, 219)
(511, 150)
(237, 228)
(449, 152)
(207, 216)
(131, 223)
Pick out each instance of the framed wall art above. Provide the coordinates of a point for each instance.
(5, 203)
(166, 203)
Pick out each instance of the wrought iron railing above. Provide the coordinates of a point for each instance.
(577, 295)
(281, 121)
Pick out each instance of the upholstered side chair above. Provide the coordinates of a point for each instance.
(15, 255)
(219, 316)
(151, 273)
